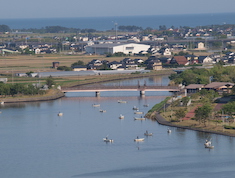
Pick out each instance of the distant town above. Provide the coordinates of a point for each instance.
(163, 47)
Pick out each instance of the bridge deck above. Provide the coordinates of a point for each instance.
(121, 88)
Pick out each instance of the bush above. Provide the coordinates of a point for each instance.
(228, 127)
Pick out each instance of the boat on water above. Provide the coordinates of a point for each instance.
(135, 108)
(60, 114)
(168, 130)
(137, 139)
(146, 105)
(107, 140)
(138, 112)
(122, 101)
(101, 110)
(148, 134)
(96, 105)
(121, 116)
(1, 102)
(139, 118)
(208, 144)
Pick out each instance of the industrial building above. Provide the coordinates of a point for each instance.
(106, 48)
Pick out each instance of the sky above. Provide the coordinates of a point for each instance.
(103, 8)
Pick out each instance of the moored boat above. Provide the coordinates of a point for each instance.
(168, 130)
(137, 139)
(122, 101)
(96, 105)
(139, 118)
(146, 105)
(135, 108)
(60, 114)
(101, 110)
(208, 144)
(121, 116)
(138, 112)
(107, 140)
(148, 134)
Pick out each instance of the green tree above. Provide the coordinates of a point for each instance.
(180, 113)
(202, 113)
(50, 81)
(229, 109)
(79, 63)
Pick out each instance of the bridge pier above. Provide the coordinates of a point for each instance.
(142, 92)
(97, 93)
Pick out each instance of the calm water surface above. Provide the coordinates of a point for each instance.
(37, 143)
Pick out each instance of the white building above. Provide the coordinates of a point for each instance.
(129, 48)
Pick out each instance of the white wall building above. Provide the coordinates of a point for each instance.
(129, 48)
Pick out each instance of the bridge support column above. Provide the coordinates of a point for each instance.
(97, 93)
(142, 92)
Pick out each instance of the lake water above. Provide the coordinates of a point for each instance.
(35, 142)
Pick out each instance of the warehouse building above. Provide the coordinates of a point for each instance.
(129, 48)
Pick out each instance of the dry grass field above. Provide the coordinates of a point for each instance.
(43, 63)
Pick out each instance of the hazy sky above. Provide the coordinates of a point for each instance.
(94, 8)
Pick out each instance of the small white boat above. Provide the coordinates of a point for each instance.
(1, 102)
(148, 134)
(208, 144)
(138, 112)
(146, 105)
(60, 114)
(139, 118)
(121, 101)
(96, 105)
(135, 108)
(121, 116)
(107, 140)
(168, 130)
(101, 110)
(139, 139)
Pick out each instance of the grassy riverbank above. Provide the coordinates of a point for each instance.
(51, 94)
(166, 116)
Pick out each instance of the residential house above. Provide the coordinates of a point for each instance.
(205, 60)
(192, 58)
(220, 86)
(131, 66)
(165, 51)
(55, 64)
(194, 88)
(79, 68)
(155, 65)
(114, 65)
(179, 60)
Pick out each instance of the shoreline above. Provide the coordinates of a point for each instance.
(56, 95)
(161, 120)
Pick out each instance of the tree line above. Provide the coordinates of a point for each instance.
(19, 89)
(204, 76)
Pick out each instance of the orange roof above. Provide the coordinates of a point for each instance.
(181, 60)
